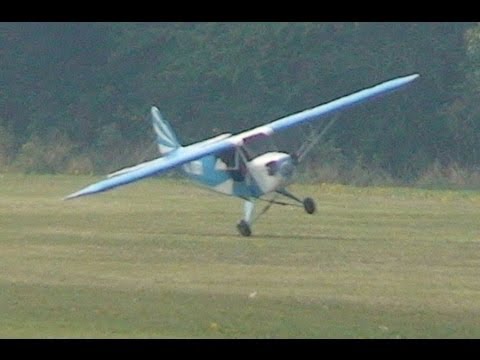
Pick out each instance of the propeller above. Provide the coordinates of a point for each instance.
(284, 167)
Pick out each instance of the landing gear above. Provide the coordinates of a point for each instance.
(244, 228)
(245, 225)
(309, 205)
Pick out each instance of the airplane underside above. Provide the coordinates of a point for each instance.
(266, 174)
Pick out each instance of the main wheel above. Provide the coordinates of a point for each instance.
(309, 205)
(244, 228)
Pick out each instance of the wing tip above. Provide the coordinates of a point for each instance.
(72, 196)
(92, 189)
(410, 78)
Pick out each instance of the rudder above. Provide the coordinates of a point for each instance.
(166, 138)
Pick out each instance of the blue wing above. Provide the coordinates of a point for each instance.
(341, 103)
(195, 151)
(154, 167)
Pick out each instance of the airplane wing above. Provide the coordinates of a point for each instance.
(341, 103)
(154, 167)
(196, 151)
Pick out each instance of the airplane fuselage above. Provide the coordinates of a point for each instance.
(261, 175)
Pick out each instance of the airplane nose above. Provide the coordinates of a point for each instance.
(284, 167)
(287, 168)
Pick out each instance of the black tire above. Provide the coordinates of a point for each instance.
(244, 228)
(309, 205)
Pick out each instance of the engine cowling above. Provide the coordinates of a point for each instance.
(272, 170)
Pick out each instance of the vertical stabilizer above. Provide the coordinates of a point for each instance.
(166, 139)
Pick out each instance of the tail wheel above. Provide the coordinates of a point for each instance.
(309, 205)
(244, 228)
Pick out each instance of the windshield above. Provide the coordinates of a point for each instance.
(257, 145)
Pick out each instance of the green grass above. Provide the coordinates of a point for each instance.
(163, 259)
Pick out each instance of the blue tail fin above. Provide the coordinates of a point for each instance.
(166, 139)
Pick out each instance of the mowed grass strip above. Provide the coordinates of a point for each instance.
(162, 258)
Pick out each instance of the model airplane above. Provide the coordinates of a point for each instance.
(230, 164)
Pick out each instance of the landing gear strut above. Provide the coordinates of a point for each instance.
(308, 203)
(244, 226)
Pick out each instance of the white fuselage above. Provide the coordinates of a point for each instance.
(258, 176)
(273, 177)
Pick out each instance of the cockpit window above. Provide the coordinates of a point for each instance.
(257, 145)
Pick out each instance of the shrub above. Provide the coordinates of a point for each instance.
(45, 155)
(7, 147)
(449, 176)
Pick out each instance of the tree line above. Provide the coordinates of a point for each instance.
(75, 96)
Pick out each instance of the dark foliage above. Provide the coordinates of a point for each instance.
(84, 89)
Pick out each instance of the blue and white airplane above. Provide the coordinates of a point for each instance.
(232, 164)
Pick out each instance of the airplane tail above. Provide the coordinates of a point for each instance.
(166, 139)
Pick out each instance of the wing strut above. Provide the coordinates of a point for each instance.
(308, 145)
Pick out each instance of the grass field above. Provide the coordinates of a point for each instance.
(162, 258)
